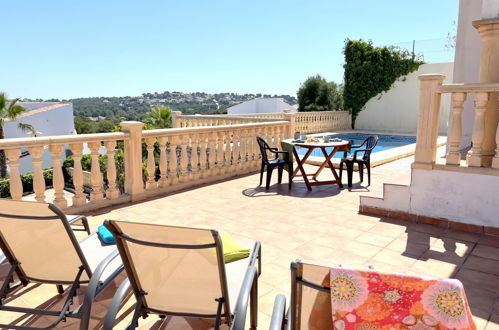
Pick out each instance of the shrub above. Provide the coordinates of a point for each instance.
(27, 182)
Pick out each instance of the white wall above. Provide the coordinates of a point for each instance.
(397, 110)
(56, 121)
(467, 61)
(456, 196)
(261, 105)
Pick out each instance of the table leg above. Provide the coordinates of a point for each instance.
(328, 161)
(309, 151)
(300, 167)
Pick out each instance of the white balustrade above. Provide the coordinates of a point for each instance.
(57, 176)
(16, 186)
(455, 131)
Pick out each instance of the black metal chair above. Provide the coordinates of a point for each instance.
(364, 160)
(273, 163)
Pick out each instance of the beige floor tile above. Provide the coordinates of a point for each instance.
(322, 225)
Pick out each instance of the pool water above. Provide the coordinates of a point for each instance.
(385, 142)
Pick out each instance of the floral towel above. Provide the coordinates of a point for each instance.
(371, 300)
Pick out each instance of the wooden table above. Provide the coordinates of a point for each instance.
(327, 161)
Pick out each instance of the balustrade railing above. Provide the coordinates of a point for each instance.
(181, 157)
(303, 122)
(38, 146)
(137, 163)
(174, 159)
(484, 151)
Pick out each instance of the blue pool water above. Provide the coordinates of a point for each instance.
(385, 142)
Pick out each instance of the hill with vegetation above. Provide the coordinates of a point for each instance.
(101, 114)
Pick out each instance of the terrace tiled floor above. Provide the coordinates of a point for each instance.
(322, 225)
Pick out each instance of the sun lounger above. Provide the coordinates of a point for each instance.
(176, 271)
(39, 244)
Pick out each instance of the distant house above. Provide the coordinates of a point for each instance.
(48, 118)
(261, 105)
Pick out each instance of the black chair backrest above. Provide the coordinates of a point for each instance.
(264, 146)
(370, 142)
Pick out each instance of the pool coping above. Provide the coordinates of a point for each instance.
(380, 157)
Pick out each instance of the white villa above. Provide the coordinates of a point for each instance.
(262, 105)
(48, 119)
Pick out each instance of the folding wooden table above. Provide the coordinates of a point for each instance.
(323, 146)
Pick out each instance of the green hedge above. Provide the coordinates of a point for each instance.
(27, 182)
(371, 70)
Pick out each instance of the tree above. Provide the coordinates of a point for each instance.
(159, 117)
(316, 94)
(10, 111)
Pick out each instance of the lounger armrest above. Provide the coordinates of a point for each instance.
(241, 309)
(115, 304)
(278, 319)
(95, 286)
(256, 253)
(84, 222)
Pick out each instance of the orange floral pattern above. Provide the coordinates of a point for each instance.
(371, 300)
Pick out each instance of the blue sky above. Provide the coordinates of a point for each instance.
(67, 49)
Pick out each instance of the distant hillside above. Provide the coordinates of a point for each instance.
(136, 107)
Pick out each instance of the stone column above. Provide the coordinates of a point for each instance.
(134, 185)
(291, 117)
(489, 73)
(175, 119)
(429, 109)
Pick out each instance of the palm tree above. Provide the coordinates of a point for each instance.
(160, 117)
(10, 111)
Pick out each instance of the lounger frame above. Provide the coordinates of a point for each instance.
(95, 286)
(248, 288)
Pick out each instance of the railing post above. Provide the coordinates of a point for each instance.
(175, 119)
(477, 137)
(16, 186)
(134, 185)
(36, 153)
(291, 117)
(427, 132)
(57, 176)
(455, 131)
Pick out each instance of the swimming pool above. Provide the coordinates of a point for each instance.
(385, 142)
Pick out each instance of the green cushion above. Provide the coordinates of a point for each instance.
(233, 250)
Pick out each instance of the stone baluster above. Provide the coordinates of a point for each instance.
(163, 180)
(95, 175)
(220, 152)
(212, 155)
(173, 174)
(227, 152)
(151, 164)
(195, 157)
(79, 198)
(203, 146)
(38, 179)
(15, 184)
(235, 149)
(112, 192)
(455, 132)
(481, 100)
(57, 176)
(184, 174)
(242, 147)
(495, 160)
